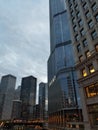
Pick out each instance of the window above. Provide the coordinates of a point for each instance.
(73, 20)
(93, 114)
(94, 7)
(79, 48)
(88, 54)
(82, 32)
(87, 14)
(77, 37)
(71, 6)
(91, 68)
(94, 34)
(72, 13)
(85, 6)
(92, 90)
(81, 58)
(84, 73)
(75, 28)
(76, 7)
(85, 43)
(78, 14)
(90, 24)
(80, 22)
(96, 16)
(96, 47)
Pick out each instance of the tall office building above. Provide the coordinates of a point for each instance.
(6, 96)
(83, 17)
(28, 96)
(16, 109)
(42, 100)
(64, 101)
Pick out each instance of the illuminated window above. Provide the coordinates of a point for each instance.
(88, 54)
(92, 90)
(96, 47)
(91, 69)
(84, 73)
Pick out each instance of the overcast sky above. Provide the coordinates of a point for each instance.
(24, 38)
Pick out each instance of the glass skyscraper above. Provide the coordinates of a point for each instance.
(7, 89)
(42, 100)
(28, 96)
(64, 101)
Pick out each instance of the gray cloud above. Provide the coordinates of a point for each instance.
(24, 38)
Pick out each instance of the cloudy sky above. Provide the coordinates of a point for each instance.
(24, 38)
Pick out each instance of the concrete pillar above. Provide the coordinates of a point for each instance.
(84, 109)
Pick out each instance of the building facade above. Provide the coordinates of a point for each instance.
(36, 112)
(28, 96)
(83, 17)
(7, 89)
(42, 100)
(64, 101)
(16, 110)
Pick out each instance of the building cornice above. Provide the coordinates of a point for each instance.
(88, 80)
(87, 61)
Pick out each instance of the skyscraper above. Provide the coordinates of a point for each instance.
(7, 96)
(28, 96)
(83, 17)
(16, 109)
(42, 100)
(63, 90)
